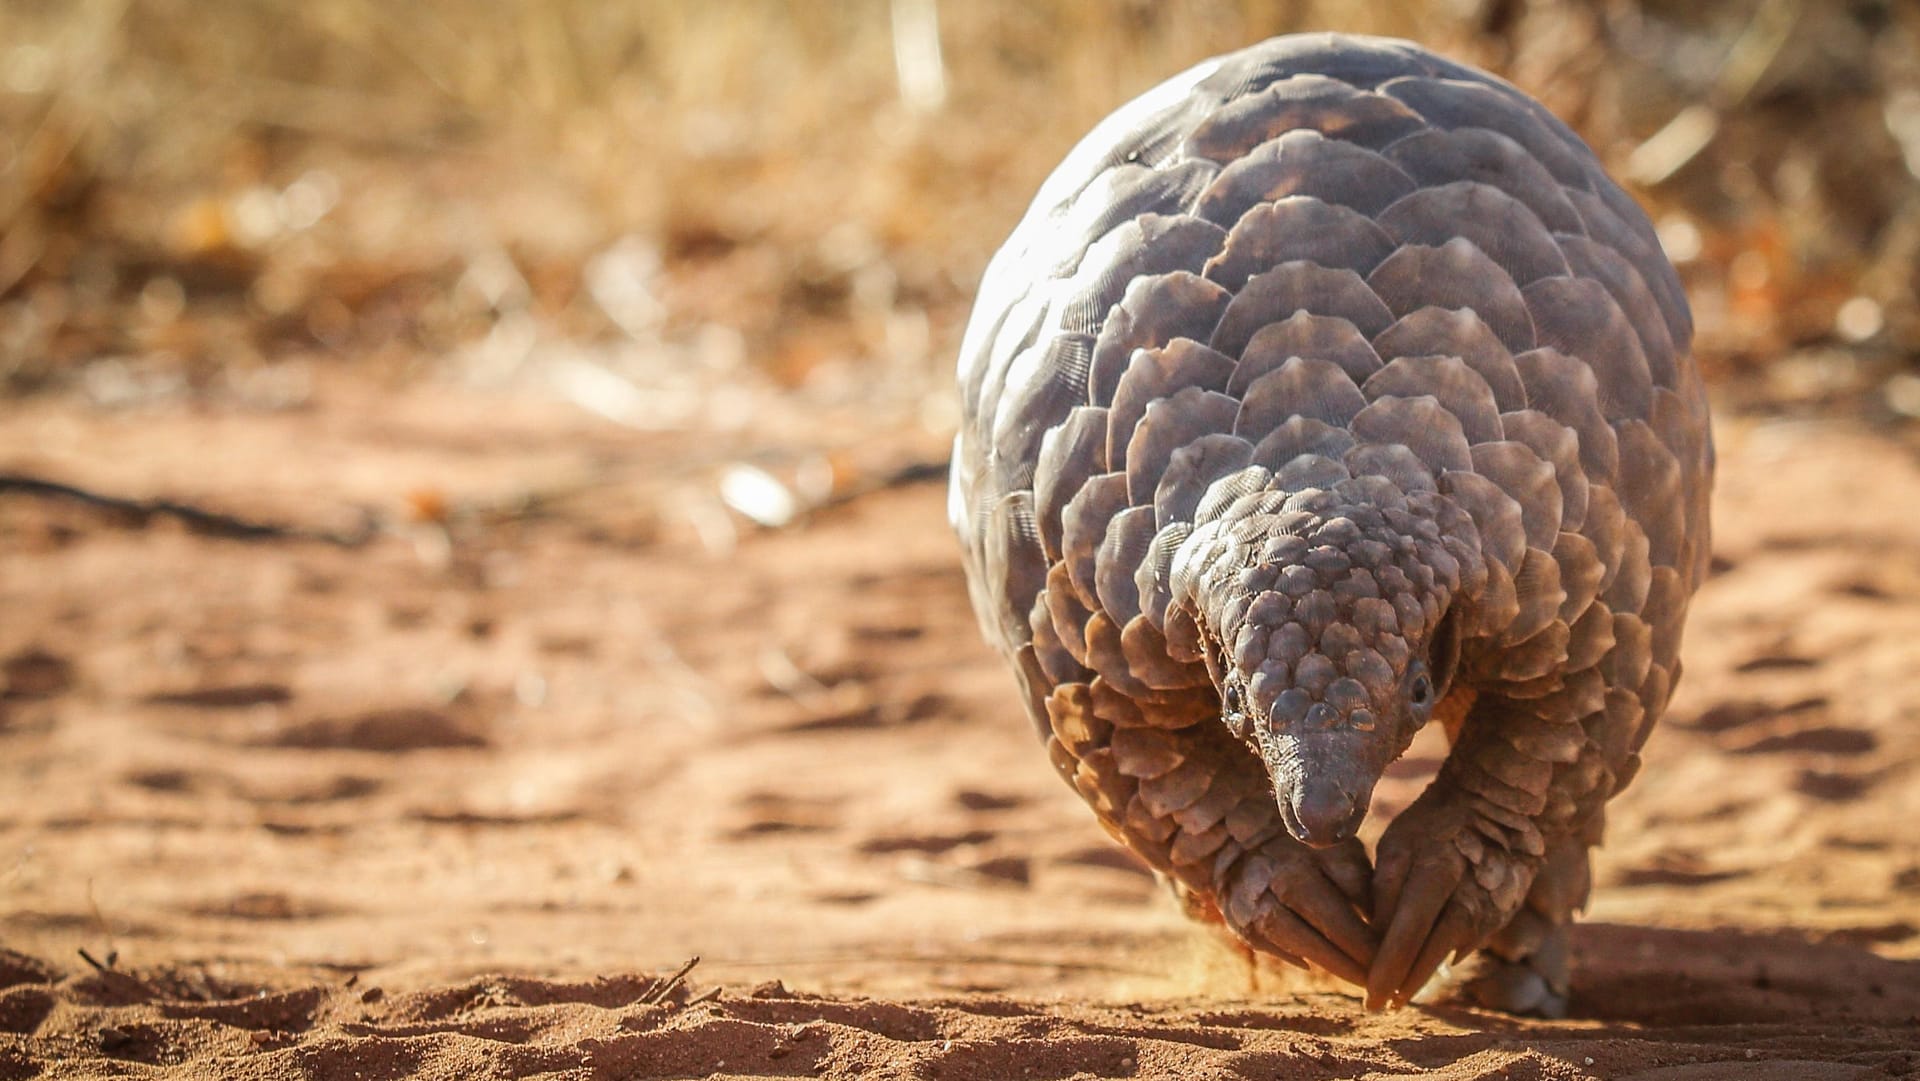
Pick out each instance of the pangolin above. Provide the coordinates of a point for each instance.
(1328, 389)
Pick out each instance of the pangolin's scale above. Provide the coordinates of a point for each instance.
(1321, 262)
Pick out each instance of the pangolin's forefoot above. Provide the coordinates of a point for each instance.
(1533, 983)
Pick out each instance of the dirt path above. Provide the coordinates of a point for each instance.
(315, 800)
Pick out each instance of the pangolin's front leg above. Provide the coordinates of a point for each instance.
(1494, 855)
(1167, 780)
(1525, 967)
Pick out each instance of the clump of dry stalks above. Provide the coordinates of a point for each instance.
(194, 193)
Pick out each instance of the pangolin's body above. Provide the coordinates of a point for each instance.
(1329, 388)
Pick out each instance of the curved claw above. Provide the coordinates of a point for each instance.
(1309, 913)
(1284, 928)
(1389, 879)
(1424, 929)
(1330, 913)
(1441, 888)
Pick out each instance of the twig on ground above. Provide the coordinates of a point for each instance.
(665, 987)
(912, 473)
(198, 519)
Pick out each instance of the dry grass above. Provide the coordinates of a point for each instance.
(195, 187)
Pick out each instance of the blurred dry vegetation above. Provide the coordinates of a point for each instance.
(632, 203)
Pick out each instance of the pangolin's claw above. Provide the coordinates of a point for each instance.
(1389, 878)
(1306, 910)
(1330, 914)
(1418, 937)
(1453, 933)
(1431, 893)
(1292, 935)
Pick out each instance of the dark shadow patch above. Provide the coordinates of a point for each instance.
(1819, 739)
(483, 820)
(930, 844)
(225, 696)
(1727, 716)
(266, 1011)
(491, 992)
(1692, 979)
(1863, 589)
(750, 1050)
(1212, 1038)
(286, 828)
(1107, 857)
(1876, 934)
(774, 827)
(332, 790)
(385, 731)
(1674, 875)
(767, 813)
(569, 645)
(107, 985)
(919, 708)
(975, 800)
(35, 673)
(172, 781)
(903, 633)
(135, 1041)
(346, 1056)
(1775, 662)
(1831, 786)
(15, 1065)
(262, 905)
(1745, 713)
(23, 1008)
(903, 1021)
(847, 897)
(1309, 1024)
(1017, 870)
(18, 968)
(1311, 1065)
(1042, 1058)
(509, 1029)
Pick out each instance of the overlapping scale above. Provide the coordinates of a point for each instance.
(1316, 102)
(1299, 228)
(1276, 294)
(1438, 156)
(1456, 274)
(1304, 334)
(1304, 162)
(1496, 223)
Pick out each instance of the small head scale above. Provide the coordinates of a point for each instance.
(1319, 615)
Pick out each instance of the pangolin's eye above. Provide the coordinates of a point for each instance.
(1420, 691)
(1230, 698)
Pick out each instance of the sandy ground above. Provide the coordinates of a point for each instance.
(458, 802)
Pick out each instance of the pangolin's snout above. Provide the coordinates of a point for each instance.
(1322, 813)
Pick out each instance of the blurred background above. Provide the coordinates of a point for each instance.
(495, 340)
(634, 205)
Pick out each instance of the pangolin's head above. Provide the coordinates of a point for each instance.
(1328, 625)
